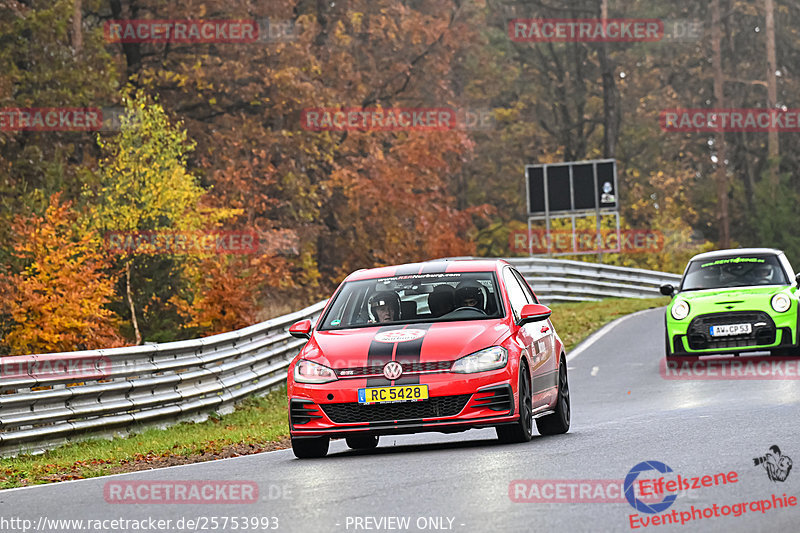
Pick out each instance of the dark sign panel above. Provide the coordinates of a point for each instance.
(571, 187)
(536, 190)
(606, 183)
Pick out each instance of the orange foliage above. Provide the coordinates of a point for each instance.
(224, 297)
(57, 302)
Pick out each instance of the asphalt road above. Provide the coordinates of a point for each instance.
(624, 412)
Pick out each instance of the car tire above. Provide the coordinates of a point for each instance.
(522, 430)
(558, 422)
(310, 448)
(362, 442)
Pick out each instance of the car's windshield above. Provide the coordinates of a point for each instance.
(415, 298)
(734, 271)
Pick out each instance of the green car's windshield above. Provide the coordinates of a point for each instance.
(734, 271)
(414, 298)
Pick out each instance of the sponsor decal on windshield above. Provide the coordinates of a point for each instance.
(733, 260)
(420, 276)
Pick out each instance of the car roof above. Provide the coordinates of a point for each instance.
(439, 266)
(735, 251)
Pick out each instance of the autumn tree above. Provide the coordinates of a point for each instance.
(144, 185)
(58, 301)
(39, 67)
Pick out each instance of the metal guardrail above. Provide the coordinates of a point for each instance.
(133, 387)
(558, 281)
(137, 385)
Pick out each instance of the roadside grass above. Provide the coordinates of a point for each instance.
(258, 424)
(576, 321)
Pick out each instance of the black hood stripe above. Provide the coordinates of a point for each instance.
(410, 352)
(379, 354)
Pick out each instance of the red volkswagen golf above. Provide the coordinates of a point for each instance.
(441, 346)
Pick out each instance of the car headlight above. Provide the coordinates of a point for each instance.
(680, 310)
(781, 302)
(311, 372)
(488, 359)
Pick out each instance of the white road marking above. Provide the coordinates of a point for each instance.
(149, 470)
(594, 337)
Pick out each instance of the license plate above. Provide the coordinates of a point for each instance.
(731, 329)
(398, 393)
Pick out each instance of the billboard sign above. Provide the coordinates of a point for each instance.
(572, 187)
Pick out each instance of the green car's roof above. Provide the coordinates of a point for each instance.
(736, 251)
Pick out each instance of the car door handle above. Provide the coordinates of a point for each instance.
(545, 329)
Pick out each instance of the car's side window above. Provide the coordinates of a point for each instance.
(525, 288)
(516, 295)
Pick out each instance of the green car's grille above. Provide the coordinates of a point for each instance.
(763, 333)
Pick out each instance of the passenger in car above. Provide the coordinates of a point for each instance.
(469, 294)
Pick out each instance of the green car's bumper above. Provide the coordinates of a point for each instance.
(770, 329)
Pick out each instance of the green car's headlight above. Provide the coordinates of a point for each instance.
(488, 359)
(680, 310)
(781, 302)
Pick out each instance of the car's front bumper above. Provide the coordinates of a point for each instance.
(456, 402)
(771, 331)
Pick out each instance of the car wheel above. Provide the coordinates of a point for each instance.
(362, 442)
(558, 422)
(667, 353)
(522, 430)
(311, 447)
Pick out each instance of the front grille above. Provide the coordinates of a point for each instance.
(700, 338)
(377, 370)
(439, 406)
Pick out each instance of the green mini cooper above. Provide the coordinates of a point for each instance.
(733, 301)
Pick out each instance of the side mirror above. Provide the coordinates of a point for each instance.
(301, 330)
(667, 289)
(797, 279)
(534, 313)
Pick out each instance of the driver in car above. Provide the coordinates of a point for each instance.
(384, 306)
(761, 274)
